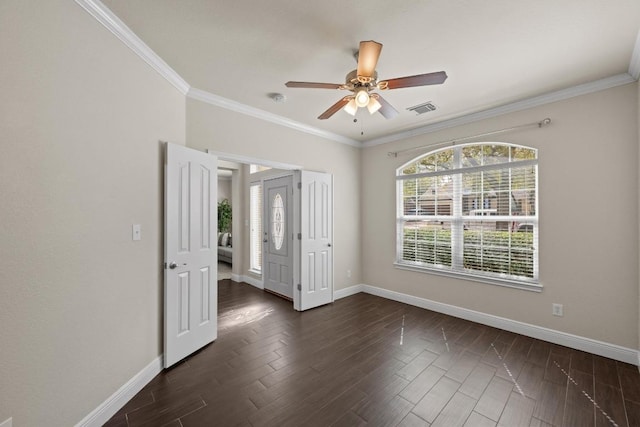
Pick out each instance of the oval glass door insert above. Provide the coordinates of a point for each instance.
(277, 226)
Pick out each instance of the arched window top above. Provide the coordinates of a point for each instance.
(471, 211)
(468, 156)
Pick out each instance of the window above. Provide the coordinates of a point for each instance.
(255, 220)
(471, 210)
(253, 168)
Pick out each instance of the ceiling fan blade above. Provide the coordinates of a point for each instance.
(314, 85)
(334, 108)
(368, 58)
(419, 80)
(387, 109)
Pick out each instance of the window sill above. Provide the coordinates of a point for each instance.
(525, 286)
(256, 272)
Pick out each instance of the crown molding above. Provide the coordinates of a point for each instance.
(583, 89)
(634, 64)
(228, 104)
(114, 24)
(107, 18)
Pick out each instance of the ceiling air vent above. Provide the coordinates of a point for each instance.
(423, 108)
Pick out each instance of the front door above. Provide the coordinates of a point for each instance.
(191, 267)
(278, 236)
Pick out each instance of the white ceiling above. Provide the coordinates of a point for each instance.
(495, 51)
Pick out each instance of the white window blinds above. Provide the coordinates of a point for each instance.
(471, 209)
(255, 220)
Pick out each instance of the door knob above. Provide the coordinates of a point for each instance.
(329, 244)
(173, 265)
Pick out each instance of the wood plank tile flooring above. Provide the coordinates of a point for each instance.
(364, 360)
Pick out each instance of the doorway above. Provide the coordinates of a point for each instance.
(278, 236)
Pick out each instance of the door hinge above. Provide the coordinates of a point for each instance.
(299, 287)
(299, 186)
(299, 236)
(165, 265)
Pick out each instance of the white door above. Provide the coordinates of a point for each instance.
(316, 251)
(190, 247)
(278, 236)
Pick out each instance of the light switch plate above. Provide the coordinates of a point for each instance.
(136, 232)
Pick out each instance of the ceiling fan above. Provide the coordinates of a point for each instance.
(364, 79)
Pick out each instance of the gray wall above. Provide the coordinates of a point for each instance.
(588, 177)
(224, 189)
(81, 117)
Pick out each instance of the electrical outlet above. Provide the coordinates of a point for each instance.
(557, 309)
(349, 274)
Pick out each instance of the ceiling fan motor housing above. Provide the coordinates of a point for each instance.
(354, 81)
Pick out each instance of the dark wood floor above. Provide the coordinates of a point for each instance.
(365, 360)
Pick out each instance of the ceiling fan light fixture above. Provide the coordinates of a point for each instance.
(364, 79)
(362, 97)
(373, 105)
(351, 107)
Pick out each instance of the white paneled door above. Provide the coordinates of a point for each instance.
(191, 268)
(316, 251)
(278, 236)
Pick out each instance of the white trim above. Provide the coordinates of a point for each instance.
(107, 18)
(601, 348)
(229, 104)
(7, 422)
(237, 158)
(117, 400)
(508, 283)
(583, 89)
(634, 64)
(250, 280)
(347, 292)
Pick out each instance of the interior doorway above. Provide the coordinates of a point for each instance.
(228, 201)
(306, 236)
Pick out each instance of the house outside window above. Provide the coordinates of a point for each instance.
(471, 210)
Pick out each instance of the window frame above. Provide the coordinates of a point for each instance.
(457, 219)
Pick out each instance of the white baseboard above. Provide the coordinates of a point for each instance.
(117, 400)
(7, 423)
(347, 292)
(251, 280)
(611, 351)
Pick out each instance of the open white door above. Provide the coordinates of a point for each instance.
(316, 234)
(190, 248)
